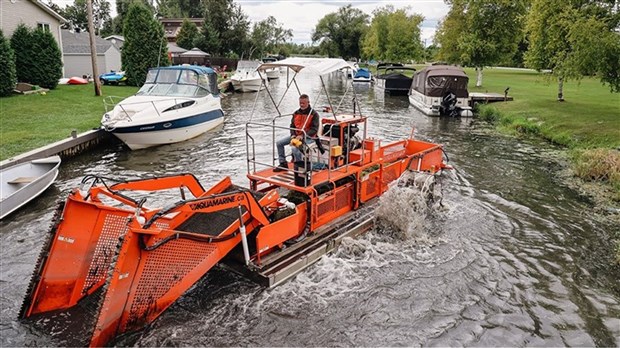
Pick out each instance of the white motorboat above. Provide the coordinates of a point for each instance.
(271, 73)
(441, 90)
(247, 78)
(175, 104)
(23, 182)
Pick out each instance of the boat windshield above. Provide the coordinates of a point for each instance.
(177, 83)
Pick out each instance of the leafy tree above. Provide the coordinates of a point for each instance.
(574, 39)
(342, 31)
(8, 76)
(403, 39)
(187, 34)
(225, 28)
(145, 45)
(267, 36)
(77, 14)
(47, 59)
(180, 8)
(23, 46)
(122, 7)
(482, 32)
(393, 35)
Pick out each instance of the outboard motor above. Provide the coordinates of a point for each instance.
(448, 105)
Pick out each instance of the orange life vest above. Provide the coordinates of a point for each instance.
(302, 121)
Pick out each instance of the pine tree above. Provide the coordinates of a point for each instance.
(48, 58)
(145, 45)
(8, 77)
(22, 45)
(187, 35)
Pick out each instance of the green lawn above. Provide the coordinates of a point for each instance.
(589, 116)
(31, 121)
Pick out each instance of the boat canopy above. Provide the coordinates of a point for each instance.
(320, 66)
(180, 80)
(362, 72)
(436, 80)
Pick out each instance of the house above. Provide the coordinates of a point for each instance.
(116, 40)
(76, 51)
(173, 25)
(33, 13)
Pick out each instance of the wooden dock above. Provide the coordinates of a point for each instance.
(485, 98)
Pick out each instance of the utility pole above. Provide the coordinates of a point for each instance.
(93, 48)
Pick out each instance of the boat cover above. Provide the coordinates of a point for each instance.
(435, 80)
(362, 72)
(320, 66)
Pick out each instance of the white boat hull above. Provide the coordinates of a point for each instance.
(247, 85)
(148, 125)
(149, 136)
(23, 182)
(430, 105)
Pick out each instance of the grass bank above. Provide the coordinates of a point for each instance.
(31, 121)
(587, 122)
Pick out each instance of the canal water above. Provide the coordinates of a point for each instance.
(507, 254)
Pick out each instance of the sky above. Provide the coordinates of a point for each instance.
(302, 15)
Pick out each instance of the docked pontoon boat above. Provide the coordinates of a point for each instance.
(393, 78)
(175, 104)
(441, 90)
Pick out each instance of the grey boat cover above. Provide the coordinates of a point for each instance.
(437, 80)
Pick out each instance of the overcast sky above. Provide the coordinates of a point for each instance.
(302, 16)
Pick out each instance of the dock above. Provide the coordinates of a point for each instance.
(485, 98)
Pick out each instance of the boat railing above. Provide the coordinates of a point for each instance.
(252, 161)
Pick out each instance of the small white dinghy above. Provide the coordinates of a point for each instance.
(23, 182)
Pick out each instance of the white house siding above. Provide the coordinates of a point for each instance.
(14, 12)
(113, 60)
(80, 64)
(29, 13)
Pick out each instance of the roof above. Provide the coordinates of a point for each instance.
(195, 52)
(320, 66)
(444, 70)
(79, 43)
(116, 37)
(174, 48)
(49, 10)
(201, 70)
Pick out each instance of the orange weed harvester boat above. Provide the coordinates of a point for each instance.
(132, 262)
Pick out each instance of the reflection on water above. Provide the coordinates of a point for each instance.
(510, 257)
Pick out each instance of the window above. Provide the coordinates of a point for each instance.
(43, 26)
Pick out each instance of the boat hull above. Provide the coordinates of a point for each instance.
(145, 136)
(430, 105)
(36, 175)
(393, 86)
(247, 85)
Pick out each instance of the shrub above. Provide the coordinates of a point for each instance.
(47, 59)
(22, 44)
(488, 113)
(598, 165)
(8, 77)
(145, 45)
